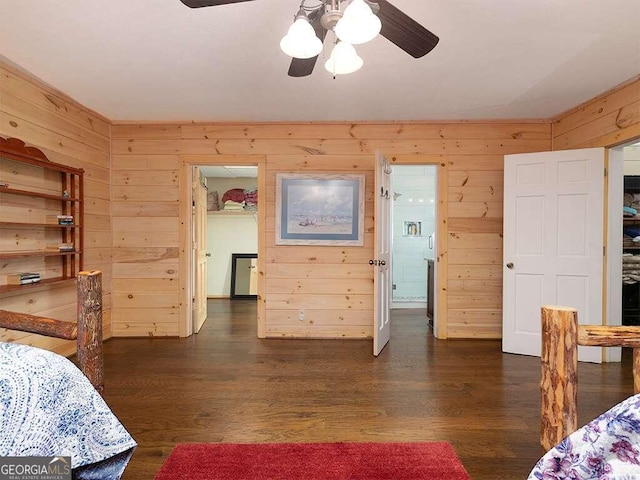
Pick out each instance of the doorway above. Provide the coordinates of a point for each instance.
(623, 281)
(609, 311)
(224, 235)
(413, 237)
(232, 226)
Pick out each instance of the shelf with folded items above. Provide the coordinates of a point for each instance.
(230, 213)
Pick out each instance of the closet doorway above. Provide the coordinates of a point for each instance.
(414, 237)
(232, 226)
(624, 250)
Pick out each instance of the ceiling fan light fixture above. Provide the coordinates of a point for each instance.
(301, 40)
(358, 24)
(343, 59)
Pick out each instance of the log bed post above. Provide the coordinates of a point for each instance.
(90, 327)
(558, 384)
(561, 336)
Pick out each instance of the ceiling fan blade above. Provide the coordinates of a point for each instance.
(404, 31)
(209, 3)
(302, 67)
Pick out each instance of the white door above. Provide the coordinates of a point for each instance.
(553, 243)
(382, 250)
(199, 250)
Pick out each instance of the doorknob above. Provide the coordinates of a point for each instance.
(382, 263)
(207, 254)
(510, 265)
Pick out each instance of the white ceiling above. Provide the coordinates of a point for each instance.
(158, 60)
(229, 172)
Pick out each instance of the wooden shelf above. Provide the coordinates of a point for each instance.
(47, 282)
(31, 225)
(62, 188)
(37, 253)
(231, 213)
(27, 193)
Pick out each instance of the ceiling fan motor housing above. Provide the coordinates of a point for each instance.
(330, 17)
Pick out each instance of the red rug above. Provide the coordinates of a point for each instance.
(313, 461)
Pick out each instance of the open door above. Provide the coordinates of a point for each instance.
(382, 250)
(199, 249)
(553, 243)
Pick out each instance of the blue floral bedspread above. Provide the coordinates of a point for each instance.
(49, 408)
(607, 448)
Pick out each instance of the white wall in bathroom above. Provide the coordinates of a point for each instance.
(416, 203)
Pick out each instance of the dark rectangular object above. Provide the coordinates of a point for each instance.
(632, 183)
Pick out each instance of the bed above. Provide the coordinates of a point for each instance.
(49, 407)
(608, 447)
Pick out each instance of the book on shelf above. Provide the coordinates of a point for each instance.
(23, 278)
(60, 247)
(60, 219)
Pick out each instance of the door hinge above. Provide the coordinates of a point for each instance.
(605, 172)
(604, 251)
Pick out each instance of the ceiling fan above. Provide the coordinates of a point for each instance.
(328, 15)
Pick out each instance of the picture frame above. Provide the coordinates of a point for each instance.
(319, 209)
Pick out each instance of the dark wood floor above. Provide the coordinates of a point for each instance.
(225, 385)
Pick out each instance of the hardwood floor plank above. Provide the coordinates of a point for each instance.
(226, 385)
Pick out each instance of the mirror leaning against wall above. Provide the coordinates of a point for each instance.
(244, 276)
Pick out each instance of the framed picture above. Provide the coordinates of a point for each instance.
(319, 209)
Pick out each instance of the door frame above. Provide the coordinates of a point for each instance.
(612, 311)
(440, 256)
(186, 237)
(435, 243)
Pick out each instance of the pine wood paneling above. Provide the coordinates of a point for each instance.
(72, 135)
(145, 255)
(365, 130)
(326, 272)
(51, 102)
(143, 177)
(463, 240)
(144, 270)
(21, 108)
(605, 121)
(331, 285)
(146, 238)
(319, 286)
(327, 146)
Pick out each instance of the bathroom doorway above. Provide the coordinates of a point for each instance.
(414, 237)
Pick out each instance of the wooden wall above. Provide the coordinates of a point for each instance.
(333, 285)
(146, 188)
(72, 135)
(607, 120)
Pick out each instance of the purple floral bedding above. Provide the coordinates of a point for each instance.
(607, 448)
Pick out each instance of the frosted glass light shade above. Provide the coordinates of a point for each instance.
(343, 59)
(358, 24)
(301, 40)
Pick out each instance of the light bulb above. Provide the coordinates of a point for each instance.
(358, 24)
(301, 40)
(343, 59)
